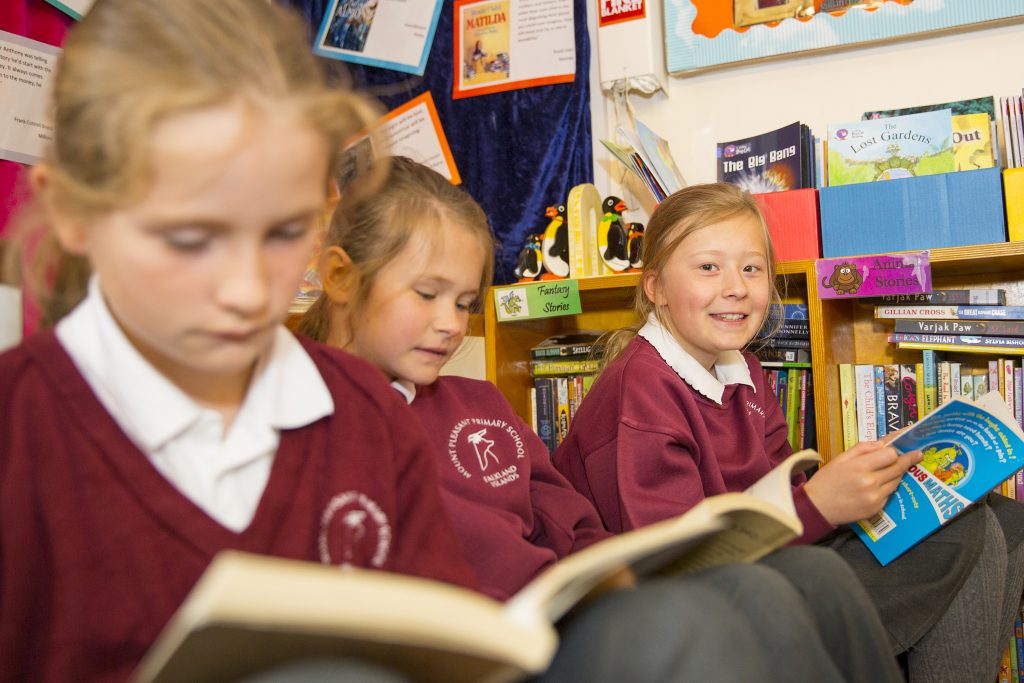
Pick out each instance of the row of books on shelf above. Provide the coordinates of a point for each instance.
(885, 144)
(876, 400)
(793, 386)
(1012, 668)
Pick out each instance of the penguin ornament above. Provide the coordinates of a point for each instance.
(555, 246)
(529, 265)
(612, 238)
(636, 246)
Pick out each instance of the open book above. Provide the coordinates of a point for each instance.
(969, 448)
(248, 612)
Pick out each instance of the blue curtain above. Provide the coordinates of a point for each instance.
(518, 152)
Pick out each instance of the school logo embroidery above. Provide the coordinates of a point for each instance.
(354, 532)
(489, 449)
(753, 407)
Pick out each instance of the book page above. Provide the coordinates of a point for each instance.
(271, 609)
(776, 486)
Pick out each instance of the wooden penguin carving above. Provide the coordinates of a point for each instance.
(612, 238)
(529, 265)
(555, 246)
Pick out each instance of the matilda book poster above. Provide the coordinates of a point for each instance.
(510, 44)
(769, 162)
(885, 149)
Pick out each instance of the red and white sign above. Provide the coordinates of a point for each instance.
(614, 11)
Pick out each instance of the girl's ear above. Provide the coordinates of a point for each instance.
(70, 232)
(652, 287)
(337, 275)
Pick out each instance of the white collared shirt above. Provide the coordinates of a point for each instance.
(224, 474)
(730, 367)
(408, 394)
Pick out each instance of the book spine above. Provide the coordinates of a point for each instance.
(891, 398)
(782, 387)
(848, 405)
(546, 411)
(802, 416)
(980, 382)
(1008, 386)
(931, 394)
(943, 382)
(551, 368)
(1014, 662)
(769, 354)
(1018, 633)
(533, 410)
(1018, 404)
(954, 380)
(908, 395)
(966, 384)
(561, 351)
(977, 297)
(562, 396)
(789, 343)
(879, 371)
(793, 407)
(973, 328)
(952, 312)
(794, 329)
(993, 376)
(963, 348)
(894, 337)
(864, 389)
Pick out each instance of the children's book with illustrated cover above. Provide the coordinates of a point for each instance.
(969, 448)
(972, 129)
(769, 162)
(249, 612)
(886, 149)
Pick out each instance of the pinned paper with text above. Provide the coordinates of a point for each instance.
(510, 44)
(26, 80)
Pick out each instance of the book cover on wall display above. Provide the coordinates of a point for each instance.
(896, 147)
(388, 34)
(969, 448)
(502, 45)
(769, 162)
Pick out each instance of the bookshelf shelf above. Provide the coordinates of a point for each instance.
(842, 330)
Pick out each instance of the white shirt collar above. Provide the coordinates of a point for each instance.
(408, 394)
(287, 390)
(730, 368)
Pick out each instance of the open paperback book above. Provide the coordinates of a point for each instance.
(969, 448)
(248, 612)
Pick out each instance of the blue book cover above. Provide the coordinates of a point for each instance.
(880, 400)
(968, 448)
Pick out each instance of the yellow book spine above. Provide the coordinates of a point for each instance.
(848, 407)
(1013, 192)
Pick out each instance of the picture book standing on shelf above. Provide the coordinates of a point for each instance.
(769, 162)
(969, 448)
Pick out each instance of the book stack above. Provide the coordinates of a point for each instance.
(563, 367)
(879, 399)
(786, 359)
(1011, 110)
(779, 160)
(647, 155)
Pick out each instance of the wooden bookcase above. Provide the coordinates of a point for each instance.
(842, 330)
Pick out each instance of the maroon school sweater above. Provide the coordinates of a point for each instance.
(645, 446)
(97, 549)
(514, 513)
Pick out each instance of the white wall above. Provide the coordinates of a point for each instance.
(699, 111)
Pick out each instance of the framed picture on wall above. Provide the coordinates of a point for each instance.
(707, 34)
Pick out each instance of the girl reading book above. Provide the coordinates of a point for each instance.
(401, 270)
(680, 413)
(170, 414)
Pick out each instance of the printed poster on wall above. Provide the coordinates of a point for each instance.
(412, 130)
(26, 79)
(390, 34)
(510, 44)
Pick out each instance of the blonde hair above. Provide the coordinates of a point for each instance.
(675, 218)
(127, 65)
(374, 227)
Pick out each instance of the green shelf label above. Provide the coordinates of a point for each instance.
(545, 299)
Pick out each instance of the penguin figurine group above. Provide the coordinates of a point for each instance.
(555, 245)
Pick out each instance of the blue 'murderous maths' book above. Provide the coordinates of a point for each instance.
(885, 149)
(968, 449)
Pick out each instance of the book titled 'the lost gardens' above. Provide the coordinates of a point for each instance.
(890, 148)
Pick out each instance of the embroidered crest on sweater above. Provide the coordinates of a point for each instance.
(354, 532)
